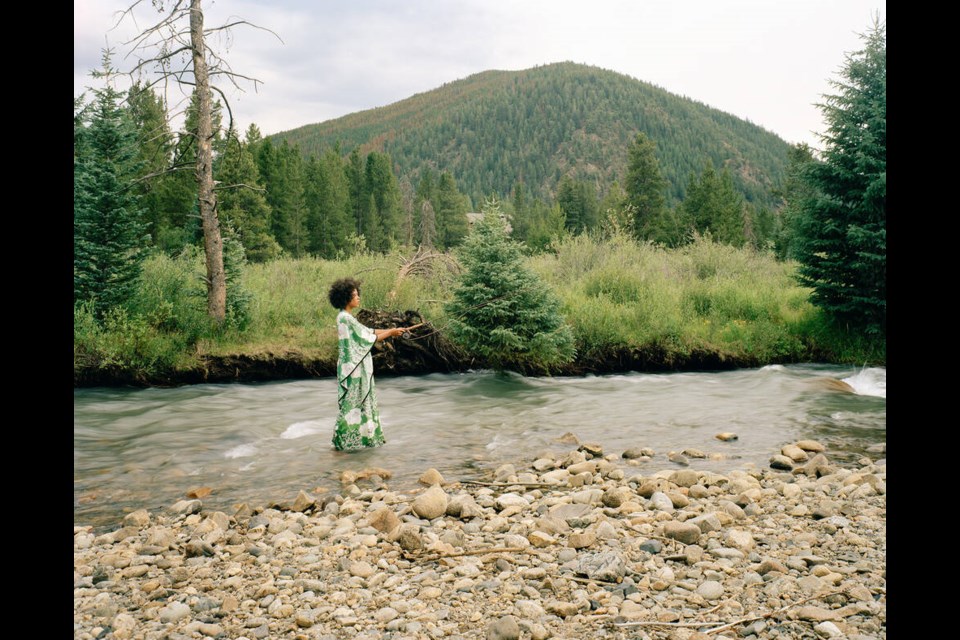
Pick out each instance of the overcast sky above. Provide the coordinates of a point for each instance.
(766, 61)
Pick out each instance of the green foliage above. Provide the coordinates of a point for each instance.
(172, 296)
(645, 188)
(500, 310)
(622, 295)
(496, 128)
(841, 236)
(242, 203)
(239, 298)
(108, 231)
(714, 207)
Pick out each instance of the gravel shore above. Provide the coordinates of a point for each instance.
(581, 543)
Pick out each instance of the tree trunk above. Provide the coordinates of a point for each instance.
(212, 242)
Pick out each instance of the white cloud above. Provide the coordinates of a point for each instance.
(761, 60)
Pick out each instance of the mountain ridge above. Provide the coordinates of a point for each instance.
(494, 128)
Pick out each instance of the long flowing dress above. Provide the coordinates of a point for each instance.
(358, 421)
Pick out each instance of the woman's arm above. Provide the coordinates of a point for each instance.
(397, 331)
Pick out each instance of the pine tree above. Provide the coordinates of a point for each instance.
(501, 311)
(715, 207)
(243, 205)
(842, 242)
(452, 214)
(109, 235)
(645, 187)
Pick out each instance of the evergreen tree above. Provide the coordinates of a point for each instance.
(109, 235)
(794, 192)
(328, 202)
(243, 205)
(645, 187)
(842, 242)
(501, 311)
(383, 214)
(715, 207)
(155, 143)
(355, 182)
(452, 212)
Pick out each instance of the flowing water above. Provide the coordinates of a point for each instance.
(257, 443)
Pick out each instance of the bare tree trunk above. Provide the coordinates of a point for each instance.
(212, 241)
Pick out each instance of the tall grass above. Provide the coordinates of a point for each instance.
(617, 294)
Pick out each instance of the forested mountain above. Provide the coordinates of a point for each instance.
(496, 128)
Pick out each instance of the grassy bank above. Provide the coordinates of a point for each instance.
(618, 296)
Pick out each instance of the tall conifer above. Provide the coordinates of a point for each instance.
(109, 236)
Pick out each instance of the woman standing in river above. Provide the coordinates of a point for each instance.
(358, 419)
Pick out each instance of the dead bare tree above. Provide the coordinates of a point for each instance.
(177, 53)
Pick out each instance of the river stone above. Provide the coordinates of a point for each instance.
(726, 436)
(503, 472)
(186, 507)
(817, 466)
(694, 453)
(614, 497)
(678, 500)
(794, 452)
(506, 628)
(408, 537)
(649, 487)
(384, 520)
(123, 626)
(781, 462)
(732, 509)
(561, 608)
(678, 458)
(740, 539)
(541, 539)
(707, 522)
(606, 531)
(632, 453)
(790, 491)
(815, 614)
(828, 630)
(174, 611)
(581, 540)
(582, 467)
(811, 445)
(139, 518)
(385, 614)
(580, 479)
(682, 531)
(431, 504)
(303, 502)
(552, 524)
(651, 546)
(557, 476)
(511, 500)
(660, 501)
(591, 448)
(769, 565)
(430, 477)
(543, 464)
(710, 590)
(607, 566)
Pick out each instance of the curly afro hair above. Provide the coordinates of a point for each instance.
(341, 291)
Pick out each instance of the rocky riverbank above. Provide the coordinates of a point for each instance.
(580, 544)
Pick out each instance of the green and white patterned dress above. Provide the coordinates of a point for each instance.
(358, 421)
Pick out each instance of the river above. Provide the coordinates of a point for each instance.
(257, 443)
